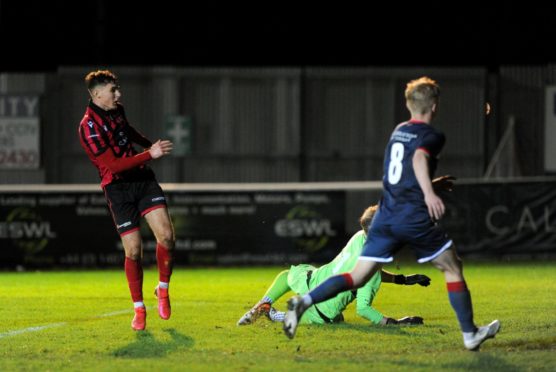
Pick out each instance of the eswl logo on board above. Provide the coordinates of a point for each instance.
(27, 230)
(309, 229)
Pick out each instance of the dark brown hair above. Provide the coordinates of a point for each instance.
(100, 77)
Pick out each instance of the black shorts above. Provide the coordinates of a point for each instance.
(129, 201)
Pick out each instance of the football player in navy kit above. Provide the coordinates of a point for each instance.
(129, 185)
(407, 215)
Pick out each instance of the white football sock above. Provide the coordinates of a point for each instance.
(306, 300)
(277, 316)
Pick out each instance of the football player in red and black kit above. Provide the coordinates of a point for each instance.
(129, 185)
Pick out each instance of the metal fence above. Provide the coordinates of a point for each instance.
(284, 124)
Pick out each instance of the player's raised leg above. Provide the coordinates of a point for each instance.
(460, 299)
(363, 271)
(134, 273)
(277, 289)
(161, 225)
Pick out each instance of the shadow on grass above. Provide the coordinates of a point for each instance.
(368, 328)
(541, 343)
(474, 361)
(146, 346)
(482, 362)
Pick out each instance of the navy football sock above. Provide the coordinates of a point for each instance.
(331, 287)
(460, 299)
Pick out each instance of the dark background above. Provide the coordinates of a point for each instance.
(40, 35)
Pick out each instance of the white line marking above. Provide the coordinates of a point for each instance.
(54, 325)
(31, 329)
(114, 313)
(128, 311)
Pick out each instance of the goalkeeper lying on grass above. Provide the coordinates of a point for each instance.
(302, 278)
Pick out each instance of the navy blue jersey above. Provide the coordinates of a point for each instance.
(403, 200)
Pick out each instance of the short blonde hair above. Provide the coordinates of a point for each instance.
(421, 94)
(367, 217)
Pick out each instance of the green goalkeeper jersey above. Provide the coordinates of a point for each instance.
(344, 262)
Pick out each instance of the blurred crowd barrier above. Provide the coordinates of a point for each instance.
(44, 226)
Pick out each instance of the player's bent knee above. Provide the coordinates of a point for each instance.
(448, 261)
(135, 256)
(439, 265)
(167, 241)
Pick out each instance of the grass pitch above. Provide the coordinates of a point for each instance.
(80, 320)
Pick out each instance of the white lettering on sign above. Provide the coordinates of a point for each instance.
(527, 221)
(19, 106)
(19, 132)
(298, 228)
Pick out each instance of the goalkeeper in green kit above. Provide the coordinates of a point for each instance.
(302, 278)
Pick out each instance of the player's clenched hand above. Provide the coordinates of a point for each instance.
(443, 183)
(420, 279)
(412, 320)
(435, 206)
(160, 148)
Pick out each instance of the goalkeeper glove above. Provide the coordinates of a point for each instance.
(420, 279)
(411, 320)
(389, 321)
(408, 320)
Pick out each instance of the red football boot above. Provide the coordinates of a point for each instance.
(140, 319)
(164, 309)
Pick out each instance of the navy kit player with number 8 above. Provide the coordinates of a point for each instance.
(407, 215)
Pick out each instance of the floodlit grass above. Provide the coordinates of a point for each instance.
(87, 316)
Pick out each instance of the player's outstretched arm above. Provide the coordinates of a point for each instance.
(365, 296)
(117, 165)
(388, 277)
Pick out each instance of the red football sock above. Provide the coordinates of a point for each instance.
(134, 274)
(164, 262)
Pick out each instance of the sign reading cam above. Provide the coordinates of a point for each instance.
(19, 132)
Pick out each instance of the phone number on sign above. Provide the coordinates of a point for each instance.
(19, 158)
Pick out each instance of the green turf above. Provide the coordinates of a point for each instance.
(202, 333)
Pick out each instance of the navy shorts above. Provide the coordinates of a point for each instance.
(129, 201)
(426, 239)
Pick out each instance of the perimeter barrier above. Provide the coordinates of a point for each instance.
(43, 226)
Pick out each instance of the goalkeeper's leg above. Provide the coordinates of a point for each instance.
(277, 289)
